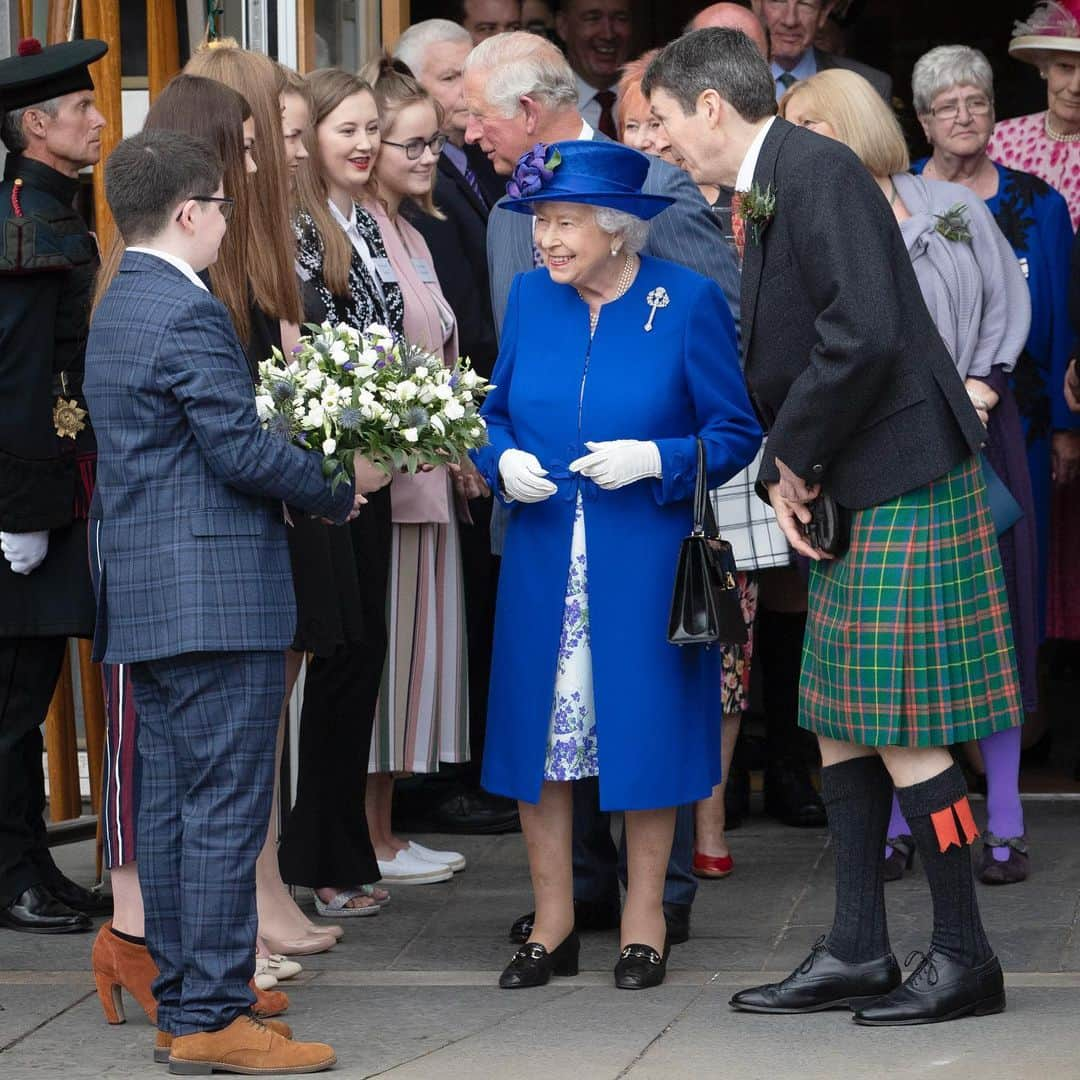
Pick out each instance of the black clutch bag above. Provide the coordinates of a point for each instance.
(705, 608)
(829, 529)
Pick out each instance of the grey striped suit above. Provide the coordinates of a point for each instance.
(685, 233)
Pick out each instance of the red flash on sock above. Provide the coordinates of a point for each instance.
(945, 822)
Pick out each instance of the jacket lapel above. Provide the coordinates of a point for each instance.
(450, 172)
(754, 253)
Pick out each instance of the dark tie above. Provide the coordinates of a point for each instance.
(606, 98)
(786, 80)
(470, 179)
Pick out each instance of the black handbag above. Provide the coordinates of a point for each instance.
(705, 608)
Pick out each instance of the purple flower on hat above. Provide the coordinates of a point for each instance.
(533, 170)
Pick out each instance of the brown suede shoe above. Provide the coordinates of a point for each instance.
(118, 963)
(163, 1042)
(246, 1046)
(268, 1002)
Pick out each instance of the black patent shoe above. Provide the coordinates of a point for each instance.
(533, 965)
(88, 901)
(1015, 869)
(822, 981)
(902, 858)
(641, 967)
(588, 915)
(939, 989)
(37, 911)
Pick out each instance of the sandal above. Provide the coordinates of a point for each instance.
(380, 896)
(339, 905)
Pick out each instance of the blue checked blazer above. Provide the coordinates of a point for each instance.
(191, 536)
(685, 233)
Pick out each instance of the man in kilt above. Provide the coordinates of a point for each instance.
(908, 646)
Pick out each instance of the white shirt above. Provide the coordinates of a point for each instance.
(358, 242)
(588, 106)
(744, 181)
(173, 260)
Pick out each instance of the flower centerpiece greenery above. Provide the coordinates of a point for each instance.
(340, 390)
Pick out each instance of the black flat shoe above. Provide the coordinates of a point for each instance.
(791, 797)
(589, 915)
(938, 989)
(822, 982)
(88, 901)
(37, 911)
(641, 967)
(677, 920)
(533, 965)
(902, 857)
(1015, 869)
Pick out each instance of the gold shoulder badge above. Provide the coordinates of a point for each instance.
(68, 418)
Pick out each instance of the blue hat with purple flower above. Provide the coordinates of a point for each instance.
(583, 171)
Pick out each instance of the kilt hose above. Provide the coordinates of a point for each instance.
(207, 736)
(908, 639)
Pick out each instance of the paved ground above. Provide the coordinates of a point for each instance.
(411, 994)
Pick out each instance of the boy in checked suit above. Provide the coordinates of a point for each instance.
(195, 594)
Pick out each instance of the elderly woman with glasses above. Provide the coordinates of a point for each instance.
(976, 295)
(953, 91)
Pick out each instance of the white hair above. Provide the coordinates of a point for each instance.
(11, 131)
(520, 64)
(945, 67)
(413, 45)
(633, 230)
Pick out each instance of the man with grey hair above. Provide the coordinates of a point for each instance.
(519, 90)
(865, 416)
(47, 265)
(466, 187)
(734, 17)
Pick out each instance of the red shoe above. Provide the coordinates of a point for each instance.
(712, 866)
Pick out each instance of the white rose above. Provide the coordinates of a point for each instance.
(453, 410)
(427, 395)
(329, 446)
(444, 392)
(339, 353)
(315, 415)
(420, 373)
(312, 379)
(264, 406)
(406, 390)
(438, 425)
(469, 378)
(410, 434)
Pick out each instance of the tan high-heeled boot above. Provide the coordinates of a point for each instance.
(117, 964)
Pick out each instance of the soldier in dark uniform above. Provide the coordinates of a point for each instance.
(48, 261)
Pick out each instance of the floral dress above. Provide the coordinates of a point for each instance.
(571, 753)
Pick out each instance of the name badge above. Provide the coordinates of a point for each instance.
(385, 271)
(425, 271)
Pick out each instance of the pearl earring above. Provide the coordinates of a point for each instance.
(614, 251)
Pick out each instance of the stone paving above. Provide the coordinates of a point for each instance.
(411, 994)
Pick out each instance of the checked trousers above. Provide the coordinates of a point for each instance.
(207, 730)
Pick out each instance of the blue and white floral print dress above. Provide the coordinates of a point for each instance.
(571, 753)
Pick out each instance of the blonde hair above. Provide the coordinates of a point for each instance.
(629, 91)
(272, 246)
(396, 88)
(858, 115)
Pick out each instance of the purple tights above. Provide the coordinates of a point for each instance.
(1004, 812)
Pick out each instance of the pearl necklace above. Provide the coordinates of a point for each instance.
(620, 288)
(1056, 136)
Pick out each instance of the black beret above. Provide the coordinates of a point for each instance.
(38, 74)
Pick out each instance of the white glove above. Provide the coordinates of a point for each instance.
(25, 551)
(523, 477)
(613, 465)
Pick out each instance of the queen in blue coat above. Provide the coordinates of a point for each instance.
(611, 366)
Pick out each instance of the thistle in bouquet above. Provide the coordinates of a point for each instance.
(425, 414)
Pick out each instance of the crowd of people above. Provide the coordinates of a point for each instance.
(717, 252)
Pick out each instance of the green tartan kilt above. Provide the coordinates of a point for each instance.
(908, 638)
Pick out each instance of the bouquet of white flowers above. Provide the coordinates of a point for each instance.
(341, 390)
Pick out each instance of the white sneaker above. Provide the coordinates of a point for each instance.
(454, 859)
(406, 869)
(264, 980)
(280, 967)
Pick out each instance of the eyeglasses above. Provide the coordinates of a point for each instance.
(225, 204)
(414, 148)
(951, 109)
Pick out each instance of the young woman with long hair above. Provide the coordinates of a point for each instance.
(423, 715)
(325, 843)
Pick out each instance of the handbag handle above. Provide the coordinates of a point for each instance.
(701, 492)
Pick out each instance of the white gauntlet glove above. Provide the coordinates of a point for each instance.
(615, 464)
(523, 477)
(25, 551)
